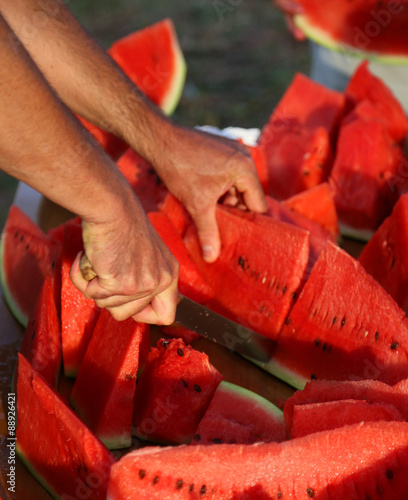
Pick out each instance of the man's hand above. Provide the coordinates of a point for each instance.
(136, 273)
(291, 8)
(200, 169)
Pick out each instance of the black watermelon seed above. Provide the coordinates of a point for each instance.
(287, 320)
(197, 388)
(156, 479)
(191, 488)
(217, 440)
(197, 437)
(22, 237)
(394, 345)
(53, 265)
(16, 234)
(284, 289)
(310, 492)
(313, 377)
(324, 346)
(179, 484)
(389, 474)
(27, 247)
(158, 181)
(241, 262)
(203, 489)
(164, 343)
(334, 320)
(343, 321)
(184, 383)
(142, 473)
(329, 349)
(376, 335)
(180, 351)
(317, 342)
(279, 494)
(294, 295)
(33, 335)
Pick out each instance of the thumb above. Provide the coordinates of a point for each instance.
(208, 233)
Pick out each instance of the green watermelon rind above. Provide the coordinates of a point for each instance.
(20, 316)
(362, 235)
(173, 96)
(322, 37)
(35, 473)
(282, 373)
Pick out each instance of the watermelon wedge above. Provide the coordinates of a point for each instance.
(344, 326)
(237, 415)
(27, 257)
(103, 394)
(173, 393)
(55, 445)
(366, 28)
(354, 462)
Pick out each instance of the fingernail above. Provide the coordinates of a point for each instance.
(208, 252)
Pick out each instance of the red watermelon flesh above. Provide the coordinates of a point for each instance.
(385, 255)
(78, 314)
(344, 326)
(365, 164)
(372, 391)
(316, 417)
(317, 204)
(112, 144)
(237, 415)
(144, 180)
(27, 257)
(298, 158)
(191, 282)
(103, 394)
(41, 344)
(252, 286)
(364, 85)
(306, 104)
(176, 212)
(55, 444)
(354, 462)
(173, 393)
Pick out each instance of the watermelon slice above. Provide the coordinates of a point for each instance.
(177, 213)
(78, 314)
(368, 28)
(173, 392)
(153, 60)
(365, 164)
(237, 415)
(27, 257)
(354, 462)
(41, 344)
(103, 394)
(56, 446)
(252, 287)
(364, 85)
(384, 256)
(316, 417)
(371, 391)
(144, 180)
(344, 326)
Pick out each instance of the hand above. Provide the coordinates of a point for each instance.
(136, 273)
(200, 169)
(291, 8)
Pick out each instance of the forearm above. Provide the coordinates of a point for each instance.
(83, 75)
(43, 145)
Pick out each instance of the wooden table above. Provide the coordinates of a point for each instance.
(233, 367)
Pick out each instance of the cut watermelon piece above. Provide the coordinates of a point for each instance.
(317, 204)
(153, 60)
(371, 391)
(173, 393)
(27, 257)
(78, 314)
(316, 417)
(55, 445)
(367, 28)
(385, 255)
(237, 415)
(103, 394)
(354, 462)
(41, 344)
(252, 286)
(364, 85)
(177, 213)
(344, 326)
(365, 164)
(144, 180)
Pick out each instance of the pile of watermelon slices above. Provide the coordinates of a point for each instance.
(341, 336)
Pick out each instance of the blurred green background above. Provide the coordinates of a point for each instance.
(240, 57)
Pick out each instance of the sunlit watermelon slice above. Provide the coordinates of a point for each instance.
(366, 28)
(27, 257)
